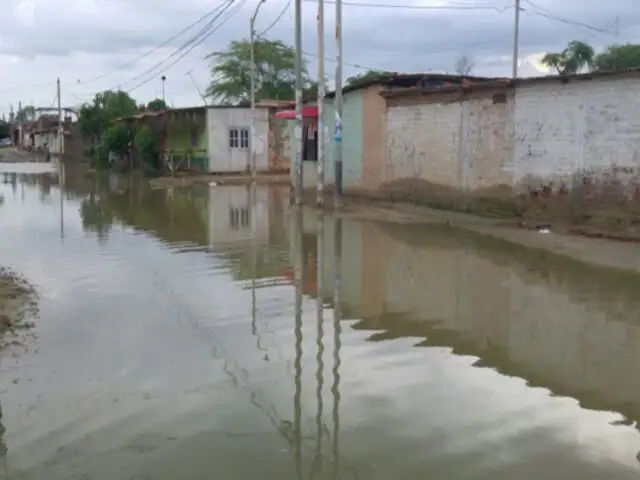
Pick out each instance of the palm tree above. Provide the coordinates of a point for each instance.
(574, 58)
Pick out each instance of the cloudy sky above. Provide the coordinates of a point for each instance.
(93, 45)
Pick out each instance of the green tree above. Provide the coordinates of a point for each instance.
(149, 147)
(618, 57)
(116, 139)
(574, 58)
(156, 105)
(367, 77)
(95, 117)
(275, 72)
(26, 114)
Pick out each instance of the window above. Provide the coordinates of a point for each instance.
(499, 98)
(239, 138)
(239, 218)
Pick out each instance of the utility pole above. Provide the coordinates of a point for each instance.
(252, 38)
(338, 106)
(195, 84)
(516, 39)
(320, 132)
(298, 125)
(164, 79)
(60, 120)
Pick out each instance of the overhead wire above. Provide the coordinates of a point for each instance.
(277, 19)
(199, 41)
(548, 14)
(181, 51)
(152, 50)
(221, 9)
(418, 7)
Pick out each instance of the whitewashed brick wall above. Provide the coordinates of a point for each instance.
(423, 141)
(589, 126)
(548, 134)
(459, 144)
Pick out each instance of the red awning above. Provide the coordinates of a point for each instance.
(308, 112)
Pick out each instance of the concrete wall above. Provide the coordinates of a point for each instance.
(591, 127)
(223, 158)
(279, 144)
(547, 137)
(352, 138)
(352, 143)
(55, 146)
(452, 142)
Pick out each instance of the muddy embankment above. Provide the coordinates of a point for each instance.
(605, 217)
(18, 308)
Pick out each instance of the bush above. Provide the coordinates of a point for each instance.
(149, 145)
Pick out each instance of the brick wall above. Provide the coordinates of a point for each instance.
(585, 129)
(449, 140)
(544, 140)
(278, 145)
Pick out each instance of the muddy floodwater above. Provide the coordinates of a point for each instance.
(206, 333)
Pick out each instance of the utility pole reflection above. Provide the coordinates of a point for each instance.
(317, 461)
(298, 253)
(335, 389)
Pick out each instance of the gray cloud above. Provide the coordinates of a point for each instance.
(80, 39)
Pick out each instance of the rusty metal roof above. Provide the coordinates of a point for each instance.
(510, 83)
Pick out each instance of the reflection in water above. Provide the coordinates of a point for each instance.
(3, 445)
(298, 257)
(337, 329)
(145, 336)
(317, 461)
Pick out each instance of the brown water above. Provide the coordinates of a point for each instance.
(172, 343)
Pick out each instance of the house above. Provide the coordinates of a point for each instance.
(363, 124)
(44, 134)
(209, 138)
(535, 139)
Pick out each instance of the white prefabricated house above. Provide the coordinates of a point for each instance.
(212, 138)
(228, 138)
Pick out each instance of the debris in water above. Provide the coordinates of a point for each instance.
(18, 307)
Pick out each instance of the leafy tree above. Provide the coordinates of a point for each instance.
(574, 58)
(464, 65)
(156, 105)
(26, 114)
(116, 139)
(366, 77)
(149, 146)
(275, 72)
(618, 57)
(95, 117)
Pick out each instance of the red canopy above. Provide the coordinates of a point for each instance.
(309, 112)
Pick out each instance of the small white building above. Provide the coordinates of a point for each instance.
(228, 138)
(231, 215)
(48, 138)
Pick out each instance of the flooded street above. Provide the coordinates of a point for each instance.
(172, 343)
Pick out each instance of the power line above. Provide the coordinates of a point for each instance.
(221, 9)
(421, 7)
(204, 36)
(154, 49)
(546, 13)
(277, 19)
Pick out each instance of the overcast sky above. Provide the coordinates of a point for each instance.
(84, 42)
